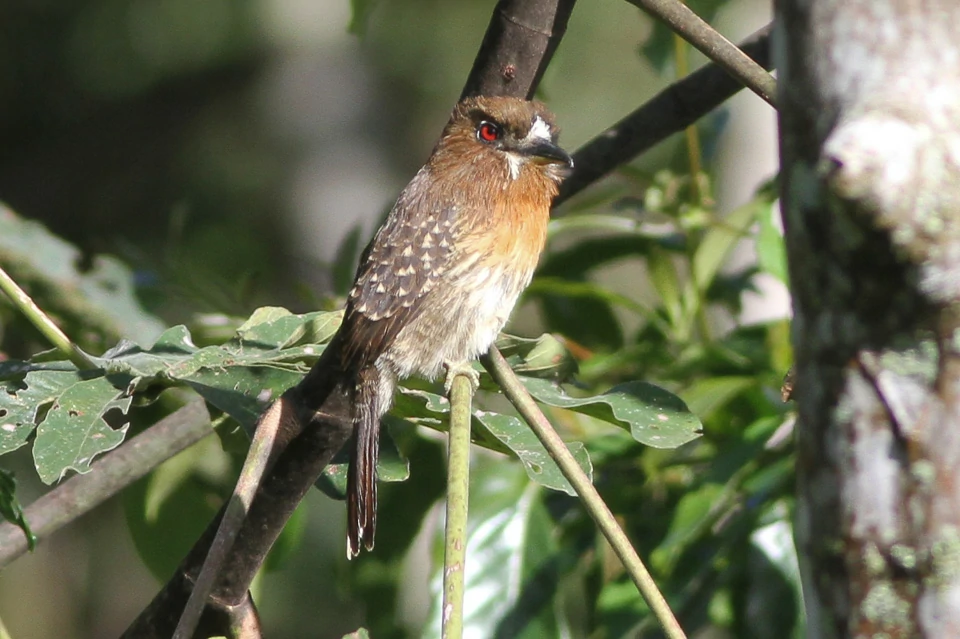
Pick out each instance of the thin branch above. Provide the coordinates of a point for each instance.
(670, 111)
(598, 510)
(108, 475)
(254, 467)
(691, 28)
(519, 43)
(301, 454)
(458, 493)
(42, 322)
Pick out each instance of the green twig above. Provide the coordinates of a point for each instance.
(525, 404)
(458, 489)
(43, 323)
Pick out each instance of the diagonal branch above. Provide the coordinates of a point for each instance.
(670, 111)
(513, 388)
(115, 471)
(727, 55)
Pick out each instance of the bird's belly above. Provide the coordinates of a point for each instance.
(460, 321)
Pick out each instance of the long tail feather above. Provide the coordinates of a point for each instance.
(362, 476)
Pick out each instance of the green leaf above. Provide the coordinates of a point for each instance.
(22, 401)
(771, 253)
(513, 563)
(359, 633)
(774, 591)
(167, 510)
(720, 240)
(540, 467)
(348, 254)
(498, 432)
(102, 298)
(361, 10)
(705, 396)
(653, 416)
(10, 508)
(74, 430)
(545, 356)
(687, 522)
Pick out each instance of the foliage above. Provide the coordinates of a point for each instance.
(667, 401)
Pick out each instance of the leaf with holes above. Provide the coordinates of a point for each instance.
(74, 430)
(22, 400)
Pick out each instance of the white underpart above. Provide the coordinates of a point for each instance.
(539, 132)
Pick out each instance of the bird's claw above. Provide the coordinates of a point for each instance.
(461, 368)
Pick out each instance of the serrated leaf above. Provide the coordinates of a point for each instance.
(513, 563)
(10, 508)
(21, 401)
(74, 431)
(653, 416)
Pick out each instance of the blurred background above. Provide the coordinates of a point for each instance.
(228, 149)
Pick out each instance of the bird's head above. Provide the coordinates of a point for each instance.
(507, 138)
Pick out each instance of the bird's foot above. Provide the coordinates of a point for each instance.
(461, 368)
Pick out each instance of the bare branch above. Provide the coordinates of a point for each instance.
(708, 41)
(670, 111)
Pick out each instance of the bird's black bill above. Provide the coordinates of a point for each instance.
(549, 153)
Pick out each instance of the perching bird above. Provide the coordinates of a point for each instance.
(438, 281)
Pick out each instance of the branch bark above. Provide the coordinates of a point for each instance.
(870, 132)
(517, 47)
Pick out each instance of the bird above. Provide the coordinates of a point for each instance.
(439, 279)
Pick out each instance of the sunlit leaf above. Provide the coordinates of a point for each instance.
(653, 416)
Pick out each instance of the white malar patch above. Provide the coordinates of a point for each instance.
(540, 130)
(513, 164)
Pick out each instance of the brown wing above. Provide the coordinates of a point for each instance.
(399, 267)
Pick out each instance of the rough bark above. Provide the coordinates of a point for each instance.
(870, 143)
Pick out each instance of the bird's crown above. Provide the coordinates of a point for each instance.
(518, 131)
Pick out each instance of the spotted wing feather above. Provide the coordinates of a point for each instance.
(401, 266)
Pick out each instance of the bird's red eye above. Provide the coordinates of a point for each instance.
(488, 132)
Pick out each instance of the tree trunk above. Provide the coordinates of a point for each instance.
(870, 145)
